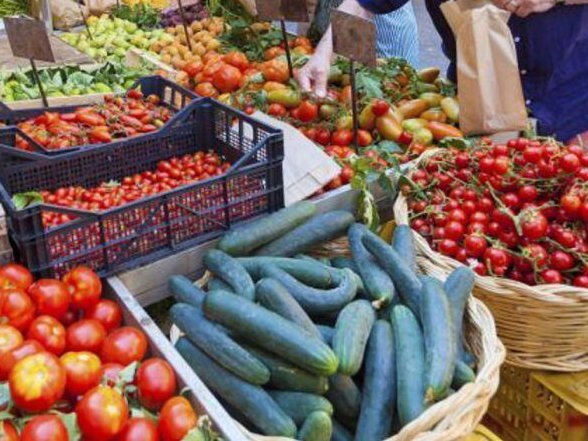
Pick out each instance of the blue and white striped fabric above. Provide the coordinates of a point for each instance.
(397, 35)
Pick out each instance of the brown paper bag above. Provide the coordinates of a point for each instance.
(99, 7)
(67, 14)
(490, 91)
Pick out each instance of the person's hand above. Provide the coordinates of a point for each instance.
(524, 8)
(314, 75)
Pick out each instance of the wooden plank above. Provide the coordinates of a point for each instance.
(78, 100)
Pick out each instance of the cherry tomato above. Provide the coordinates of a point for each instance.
(106, 312)
(10, 358)
(380, 107)
(124, 345)
(16, 308)
(534, 225)
(277, 110)
(9, 433)
(51, 297)
(85, 335)
(83, 372)
(84, 286)
(49, 332)
(156, 383)
(551, 276)
(570, 163)
(44, 428)
(17, 275)
(475, 245)
(342, 137)
(307, 111)
(176, 419)
(139, 429)
(561, 261)
(102, 413)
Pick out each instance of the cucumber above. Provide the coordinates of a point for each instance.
(344, 262)
(352, 331)
(242, 240)
(230, 271)
(340, 433)
(463, 374)
(458, 288)
(272, 295)
(320, 228)
(379, 386)
(345, 396)
(217, 345)
(250, 400)
(317, 427)
(403, 243)
(376, 281)
(271, 332)
(405, 280)
(326, 333)
(439, 337)
(184, 291)
(409, 348)
(215, 284)
(313, 274)
(315, 301)
(298, 405)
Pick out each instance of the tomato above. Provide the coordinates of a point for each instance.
(570, 203)
(44, 428)
(51, 297)
(534, 225)
(569, 163)
(528, 193)
(69, 318)
(85, 335)
(10, 358)
(307, 111)
(100, 134)
(551, 276)
(16, 274)
(16, 308)
(273, 52)
(156, 383)
(49, 332)
(323, 136)
(497, 259)
(448, 247)
(454, 230)
(342, 137)
(9, 432)
(124, 345)
(277, 110)
(193, 68)
(102, 413)
(10, 338)
(84, 286)
(380, 107)
(37, 382)
(227, 79)
(110, 372)
(364, 138)
(106, 312)
(83, 372)
(275, 70)
(139, 429)
(176, 419)
(206, 89)
(561, 261)
(237, 59)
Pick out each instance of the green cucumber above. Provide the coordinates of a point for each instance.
(403, 243)
(270, 331)
(340, 433)
(352, 331)
(326, 333)
(272, 295)
(320, 228)
(316, 301)
(463, 374)
(344, 262)
(379, 385)
(458, 288)
(244, 239)
(439, 337)
(377, 282)
(217, 345)
(184, 291)
(317, 427)
(313, 274)
(345, 396)
(405, 280)
(298, 405)
(215, 284)
(250, 400)
(229, 270)
(409, 348)
(285, 376)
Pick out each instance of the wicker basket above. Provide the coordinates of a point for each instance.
(457, 416)
(542, 327)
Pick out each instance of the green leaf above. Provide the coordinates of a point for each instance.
(367, 210)
(389, 147)
(80, 79)
(194, 435)
(127, 375)
(70, 422)
(5, 399)
(368, 85)
(387, 184)
(140, 412)
(458, 143)
(27, 199)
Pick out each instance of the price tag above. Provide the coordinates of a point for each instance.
(354, 37)
(289, 10)
(28, 39)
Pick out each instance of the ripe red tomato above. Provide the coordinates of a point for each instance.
(16, 308)
(227, 79)
(83, 372)
(561, 261)
(237, 59)
(124, 345)
(36, 382)
(176, 419)
(51, 297)
(571, 203)
(139, 429)
(106, 312)
(570, 163)
(475, 245)
(84, 286)
(102, 413)
(364, 138)
(10, 358)
(69, 318)
(551, 276)
(44, 428)
(534, 225)
(277, 110)
(454, 230)
(497, 259)
(342, 137)
(110, 372)
(9, 433)
(380, 107)
(85, 335)
(17, 275)
(156, 383)
(49, 332)
(307, 111)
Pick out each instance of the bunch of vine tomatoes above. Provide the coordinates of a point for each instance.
(516, 210)
(72, 368)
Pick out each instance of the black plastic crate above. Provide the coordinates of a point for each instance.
(171, 95)
(147, 229)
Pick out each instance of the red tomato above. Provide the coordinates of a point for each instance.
(102, 413)
(193, 68)
(176, 419)
(307, 111)
(84, 286)
(323, 136)
(380, 107)
(44, 428)
(69, 318)
(36, 382)
(106, 312)
(342, 137)
(49, 332)
(124, 345)
(16, 308)
(534, 225)
(9, 359)
(364, 138)
(277, 110)
(16, 274)
(51, 297)
(139, 429)
(110, 372)
(10, 338)
(85, 335)
(83, 372)
(227, 79)
(156, 383)
(9, 433)
(237, 59)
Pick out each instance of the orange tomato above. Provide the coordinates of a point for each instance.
(237, 59)
(193, 68)
(273, 85)
(275, 70)
(83, 371)
(206, 89)
(273, 52)
(227, 79)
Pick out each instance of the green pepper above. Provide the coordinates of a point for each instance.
(286, 97)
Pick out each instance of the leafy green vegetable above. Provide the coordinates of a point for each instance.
(142, 14)
(27, 199)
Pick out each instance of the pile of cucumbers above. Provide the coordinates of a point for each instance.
(323, 349)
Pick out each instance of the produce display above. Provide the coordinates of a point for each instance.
(517, 210)
(71, 370)
(321, 349)
(71, 80)
(13, 7)
(118, 117)
(142, 14)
